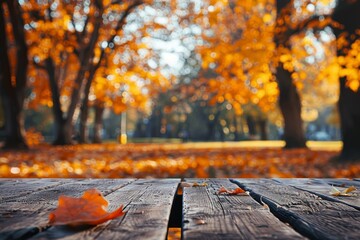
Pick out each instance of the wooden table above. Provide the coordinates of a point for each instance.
(273, 209)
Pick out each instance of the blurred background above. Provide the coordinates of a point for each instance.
(179, 71)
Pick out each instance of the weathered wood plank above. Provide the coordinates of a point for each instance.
(307, 213)
(342, 182)
(147, 204)
(24, 187)
(321, 188)
(207, 215)
(25, 215)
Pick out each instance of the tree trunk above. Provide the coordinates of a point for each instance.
(83, 131)
(251, 124)
(347, 14)
(290, 106)
(86, 57)
(98, 125)
(263, 129)
(349, 110)
(84, 112)
(61, 131)
(289, 99)
(211, 125)
(13, 94)
(236, 131)
(60, 128)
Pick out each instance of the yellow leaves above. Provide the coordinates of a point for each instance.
(344, 193)
(87, 210)
(271, 89)
(353, 84)
(268, 18)
(285, 58)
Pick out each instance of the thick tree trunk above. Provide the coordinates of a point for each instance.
(98, 125)
(349, 110)
(289, 100)
(290, 106)
(13, 93)
(347, 14)
(61, 131)
(14, 124)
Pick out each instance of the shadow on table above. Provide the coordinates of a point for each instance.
(47, 232)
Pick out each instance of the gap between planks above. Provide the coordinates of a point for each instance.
(309, 214)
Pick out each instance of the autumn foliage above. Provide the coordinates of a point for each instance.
(74, 55)
(86, 210)
(172, 160)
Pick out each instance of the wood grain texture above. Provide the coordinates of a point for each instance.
(342, 182)
(208, 215)
(24, 216)
(322, 188)
(309, 214)
(14, 188)
(147, 204)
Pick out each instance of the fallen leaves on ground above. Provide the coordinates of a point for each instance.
(344, 193)
(171, 160)
(235, 191)
(86, 210)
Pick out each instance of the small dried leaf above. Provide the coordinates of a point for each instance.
(199, 221)
(195, 184)
(86, 210)
(345, 193)
(185, 184)
(349, 189)
(223, 190)
(231, 192)
(334, 191)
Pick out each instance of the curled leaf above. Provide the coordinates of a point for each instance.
(350, 189)
(89, 209)
(345, 193)
(231, 192)
(204, 184)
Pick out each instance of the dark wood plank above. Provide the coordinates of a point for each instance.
(147, 205)
(14, 188)
(25, 215)
(307, 213)
(207, 215)
(322, 188)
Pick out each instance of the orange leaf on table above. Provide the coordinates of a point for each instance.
(345, 193)
(231, 192)
(89, 209)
